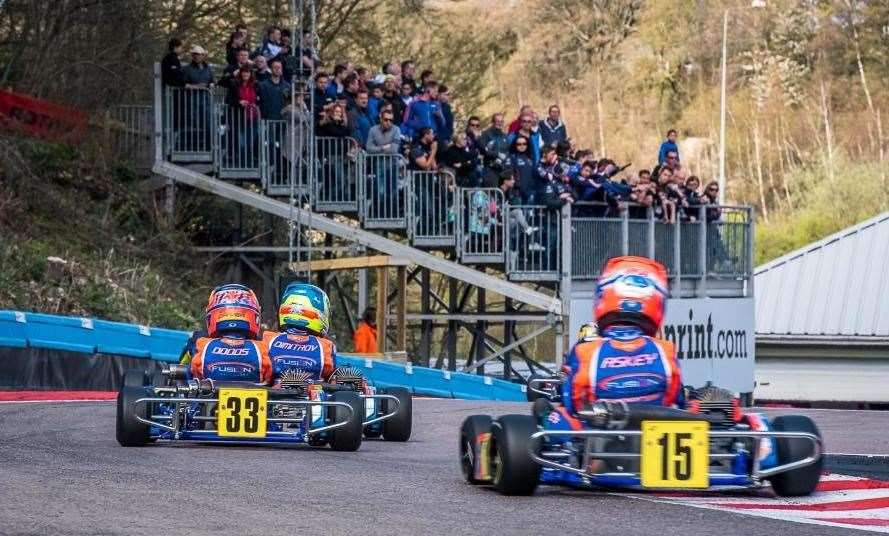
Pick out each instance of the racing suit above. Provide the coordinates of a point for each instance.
(231, 359)
(624, 364)
(296, 349)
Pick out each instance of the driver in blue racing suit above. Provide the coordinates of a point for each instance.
(626, 361)
(302, 343)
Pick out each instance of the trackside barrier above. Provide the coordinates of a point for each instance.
(90, 336)
(237, 142)
(432, 208)
(481, 234)
(535, 256)
(385, 191)
(188, 124)
(338, 169)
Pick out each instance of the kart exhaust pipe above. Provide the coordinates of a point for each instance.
(618, 415)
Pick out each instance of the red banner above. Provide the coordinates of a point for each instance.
(41, 118)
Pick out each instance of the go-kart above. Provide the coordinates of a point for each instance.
(619, 445)
(166, 406)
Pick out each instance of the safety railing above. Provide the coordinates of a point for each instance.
(188, 124)
(284, 158)
(339, 163)
(237, 142)
(483, 217)
(132, 129)
(385, 191)
(535, 253)
(432, 207)
(706, 241)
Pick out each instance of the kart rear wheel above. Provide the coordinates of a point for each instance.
(347, 438)
(131, 432)
(804, 480)
(398, 426)
(513, 470)
(473, 426)
(135, 378)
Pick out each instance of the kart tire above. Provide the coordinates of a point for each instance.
(129, 431)
(804, 480)
(529, 394)
(513, 470)
(347, 438)
(159, 379)
(473, 426)
(135, 378)
(398, 427)
(541, 408)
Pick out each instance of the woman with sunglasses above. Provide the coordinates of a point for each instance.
(522, 165)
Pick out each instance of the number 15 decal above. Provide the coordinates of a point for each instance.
(675, 454)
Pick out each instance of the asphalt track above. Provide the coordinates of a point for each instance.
(62, 472)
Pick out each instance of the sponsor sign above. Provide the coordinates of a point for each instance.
(714, 338)
(41, 118)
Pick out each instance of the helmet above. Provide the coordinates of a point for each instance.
(305, 307)
(588, 330)
(631, 290)
(232, 309)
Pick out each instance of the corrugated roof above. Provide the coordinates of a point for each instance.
(838, 286)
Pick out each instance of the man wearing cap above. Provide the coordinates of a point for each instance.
(197, 74)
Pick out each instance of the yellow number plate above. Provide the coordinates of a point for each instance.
(242, 413)
(675, 454)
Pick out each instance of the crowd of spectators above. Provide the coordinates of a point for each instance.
(533, 161)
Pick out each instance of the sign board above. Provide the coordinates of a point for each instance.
(41, 118)
(714, 337)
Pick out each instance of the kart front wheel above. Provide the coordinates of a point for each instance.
(804, 480)
(347, 438)
(473, 427)
(131, 432)
(513, 470)
(398, 426)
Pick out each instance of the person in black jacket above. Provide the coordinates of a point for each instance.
(171, 67)
(463, 159)
(552, 129)
(521, 163)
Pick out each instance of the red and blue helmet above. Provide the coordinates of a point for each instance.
(233, 309)
(632, 291)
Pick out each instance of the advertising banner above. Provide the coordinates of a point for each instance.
(714, 338)
(41, 118)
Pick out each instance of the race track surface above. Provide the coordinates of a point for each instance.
(62, 472)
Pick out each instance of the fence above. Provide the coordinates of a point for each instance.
(284, 158)
(133, 132)
(188, 125)
(484, 216)
(432, 209)
(386, 191)
(338, 168)
(237, 142)
(533, 254)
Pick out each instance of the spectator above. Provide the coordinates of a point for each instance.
(242, 62)
(334, 123)
(392, 96)
(261, 69)
(522, 165)
(350, 93)
(197, 74)
(374, 102)
(292, 144)
(360, 118)
(271, 45)
(171, 67)
(364, 339)
(668, 145)
(361, 73)
(273, 92)
(711, 198)
(333, 151)
(418, 115)
(320, 97)
(668, 195)
(513, 199)
(408, 68)
(384, 138)
(243, 120)
(552, 129)
(550, 168)
(394, 69)
(336, 86)
(517, 122)
(308, 55)
(461, 157)
(494, 147)
(237, 41)
(407, 97)
(424, 152)
(530, 130)
(425, 77)
(446, 130)
(692, 203)
(474, 132)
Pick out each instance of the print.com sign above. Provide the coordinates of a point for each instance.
(714, 338)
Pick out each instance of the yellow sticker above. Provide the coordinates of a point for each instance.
(675, 454)
(242, 413)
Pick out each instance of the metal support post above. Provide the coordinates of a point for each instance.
(508, 326)
(480, 327)
(382, 306)
(452, 324)
(564, 321)
(426, 325)
(401, 310)
(702, 255)
(362, 291)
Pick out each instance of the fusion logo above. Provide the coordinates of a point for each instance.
(644, 382)
(231, 367)
(699, 340)
(294, 362)
(219, 350)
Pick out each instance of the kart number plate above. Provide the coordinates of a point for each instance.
(242, 413)
(675, 454)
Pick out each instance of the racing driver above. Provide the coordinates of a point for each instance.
(302, 343)
(627, 361)
(230, 351)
